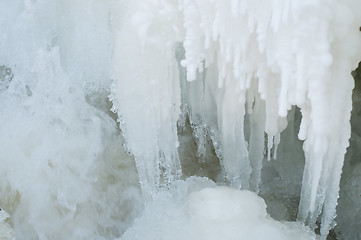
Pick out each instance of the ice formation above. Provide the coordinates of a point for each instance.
(6, 232)
(63, 174)
(198, 210)
(242, 58)
(350, 194)
(236, 71)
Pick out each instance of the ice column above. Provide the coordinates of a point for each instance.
(326, 116)
(146, 93)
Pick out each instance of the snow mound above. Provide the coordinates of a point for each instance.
(196, 209)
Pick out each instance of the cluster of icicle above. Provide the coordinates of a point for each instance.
(240, 57)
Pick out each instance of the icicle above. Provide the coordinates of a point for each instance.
(277, 140)
(150, 128)
(234, 147)
(269, 146)
(279, 53)
(196, 92)
(256, 143)
(179, 55)
(193, 58)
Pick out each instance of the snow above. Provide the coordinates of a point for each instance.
(197, 209)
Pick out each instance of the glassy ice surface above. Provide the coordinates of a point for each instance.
(109, 109)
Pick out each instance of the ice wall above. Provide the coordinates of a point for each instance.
(242, 58)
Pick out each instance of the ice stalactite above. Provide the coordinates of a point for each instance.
(258, 56)
(328, 132)
(256, 142)
(150, 107)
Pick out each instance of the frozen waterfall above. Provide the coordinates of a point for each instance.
(116, 114)
(254, 58)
